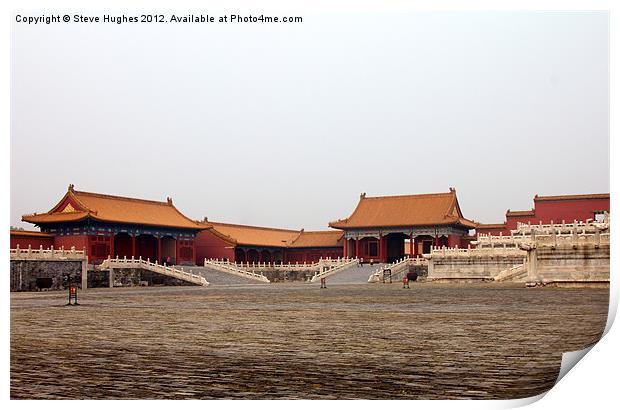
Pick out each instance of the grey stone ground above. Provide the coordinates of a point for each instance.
(295, 340)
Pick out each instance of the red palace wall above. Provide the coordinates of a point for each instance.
(34, 241)
(569, 210)
(311, 255)
(79, 241)
(210, 246)
(546, 211)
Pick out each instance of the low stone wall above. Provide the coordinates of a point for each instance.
(470, 268)
(32, 275)
(98, 279)
(585, 263)
(418, 273)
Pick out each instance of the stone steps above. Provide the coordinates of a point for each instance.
(515, 274)
(354, 274)
(215, 277)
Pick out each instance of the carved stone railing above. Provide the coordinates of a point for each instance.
(589, 225)
(124, 263)
(48, 254)
(333, 270)
(288, 267)
(576, 239)
(232, 268)
(525, 232)
(577, 235)
(472, 252)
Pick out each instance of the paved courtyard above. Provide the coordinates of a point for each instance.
(295, 340)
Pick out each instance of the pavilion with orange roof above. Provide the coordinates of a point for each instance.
(378, 227)
(248, 243)
(108, 225)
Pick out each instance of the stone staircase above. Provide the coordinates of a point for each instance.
(171, 271)
(517, 273)
(354, 274)
(221, 278)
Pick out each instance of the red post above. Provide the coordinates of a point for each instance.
(112, 253)
(357, 247)
(133, 246)
(437, 241)
(158, 257)
(176, 251)
(346, 247)
(381, 255)
(411, 244)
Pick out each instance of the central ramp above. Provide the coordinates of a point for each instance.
(353, 274)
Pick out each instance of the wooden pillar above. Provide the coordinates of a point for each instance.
(158, 256)
(112, 253)
(381, 253)
(346, 248)
(411, 244)
(357, 247)
(385, 249)
(437, 240)
(176, 251)
(133, 245)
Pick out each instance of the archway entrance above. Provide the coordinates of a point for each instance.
(265, 256)
(123, 245)
(278, 257)
(146, 247)
(168, 250)
(395, 246)
(240, 255)
(252, 256)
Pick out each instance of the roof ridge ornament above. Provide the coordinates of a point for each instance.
(363, 195)
(71, 186)
(169, 200)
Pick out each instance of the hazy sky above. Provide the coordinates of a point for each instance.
(285, 125)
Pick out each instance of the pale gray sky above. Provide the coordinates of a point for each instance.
(285, 125)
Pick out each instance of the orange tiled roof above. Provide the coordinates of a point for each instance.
(253, 235)
(38, 234)
(317, 239)
(405, 210)
(570, 197)
(78, 205)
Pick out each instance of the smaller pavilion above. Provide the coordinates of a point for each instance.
(243, 243)
(378, 227)
(259, 244)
